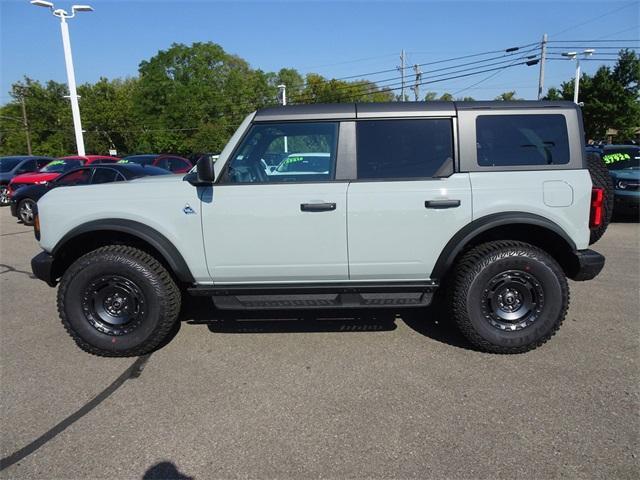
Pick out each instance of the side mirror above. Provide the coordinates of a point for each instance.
(204, 169)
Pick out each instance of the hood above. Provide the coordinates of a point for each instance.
(35, 177)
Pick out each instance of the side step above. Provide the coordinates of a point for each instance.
(327, 296)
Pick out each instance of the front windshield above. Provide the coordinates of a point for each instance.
(8, 163)
(621, 158)
(59, 166)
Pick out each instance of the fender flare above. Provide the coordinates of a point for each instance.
(139, 230)
(459, 241)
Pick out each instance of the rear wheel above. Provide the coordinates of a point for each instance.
(509, 297)
(26, 211)
(600, 178)
(118, 301)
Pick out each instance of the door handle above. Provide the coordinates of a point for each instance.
(438, 204)
(317, 207)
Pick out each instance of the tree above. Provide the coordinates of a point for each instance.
(508, 96)
(611, 97)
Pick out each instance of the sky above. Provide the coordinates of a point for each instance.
(335, 39)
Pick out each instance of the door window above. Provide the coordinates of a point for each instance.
(104, 175)
(28, 166)
(78, 177)
(401, 149)
(285, 152)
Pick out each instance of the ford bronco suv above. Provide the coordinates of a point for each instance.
(487, 206)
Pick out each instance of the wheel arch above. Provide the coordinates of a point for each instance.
(97, 233)
(526, 227)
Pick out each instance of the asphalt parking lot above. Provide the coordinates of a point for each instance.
(377, 396)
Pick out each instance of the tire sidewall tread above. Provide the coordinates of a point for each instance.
(491, 258)
(161, 292)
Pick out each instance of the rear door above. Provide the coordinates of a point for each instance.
(407, 201)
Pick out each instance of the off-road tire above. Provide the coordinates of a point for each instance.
(600, 178)
(161, 297)
(471, 280)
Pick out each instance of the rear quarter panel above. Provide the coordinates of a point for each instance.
(562, 196)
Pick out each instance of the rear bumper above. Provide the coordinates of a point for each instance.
(42, 267)
(588, 265)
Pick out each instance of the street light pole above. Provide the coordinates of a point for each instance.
(576, 56)
(68, 59)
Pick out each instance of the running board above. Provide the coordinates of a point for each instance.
(333, 296)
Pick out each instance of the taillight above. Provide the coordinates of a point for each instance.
(597, 207)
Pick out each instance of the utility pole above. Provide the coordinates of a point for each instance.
(416, 85)
(401, 68)
(25, 123)
(543, 57)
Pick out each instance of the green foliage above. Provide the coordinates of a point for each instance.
(508, 96)
(611, 97)
(185, 99)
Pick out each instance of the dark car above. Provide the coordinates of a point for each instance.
(623, 162)
(24, 199)
(172, 163)
(12, 166)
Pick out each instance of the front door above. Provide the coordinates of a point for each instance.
(276, 214)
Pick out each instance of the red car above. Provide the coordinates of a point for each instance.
(56, 168)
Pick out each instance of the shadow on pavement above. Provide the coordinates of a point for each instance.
(425, 321)
(165, 471)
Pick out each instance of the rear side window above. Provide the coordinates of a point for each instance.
(520, 140)
(104, 175)
(417, 148)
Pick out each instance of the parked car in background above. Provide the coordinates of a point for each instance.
(13, 166)
(623, 162)
(56, 168)
(193, 158)
(303, 164)
(172, 163)
(24, 199)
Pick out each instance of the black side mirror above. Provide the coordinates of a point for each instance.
(204, 169)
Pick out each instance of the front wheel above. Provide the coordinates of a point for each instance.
(26, 211)
(118, 301)
(509, 297)
(4, 195)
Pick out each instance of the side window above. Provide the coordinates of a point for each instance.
(78, 177)
(416, 148)
(176, 164)
(43, 162)
(162, 163)
(28, 166)
(285, 152)
(104, 175)
(517, 140)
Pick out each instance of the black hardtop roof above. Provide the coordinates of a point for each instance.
(326, 111)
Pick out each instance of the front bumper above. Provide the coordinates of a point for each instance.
(629, 200)
(588, 265)
(42, 267)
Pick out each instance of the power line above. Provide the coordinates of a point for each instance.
(593, 19)
(436, 62)
(381, 85)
